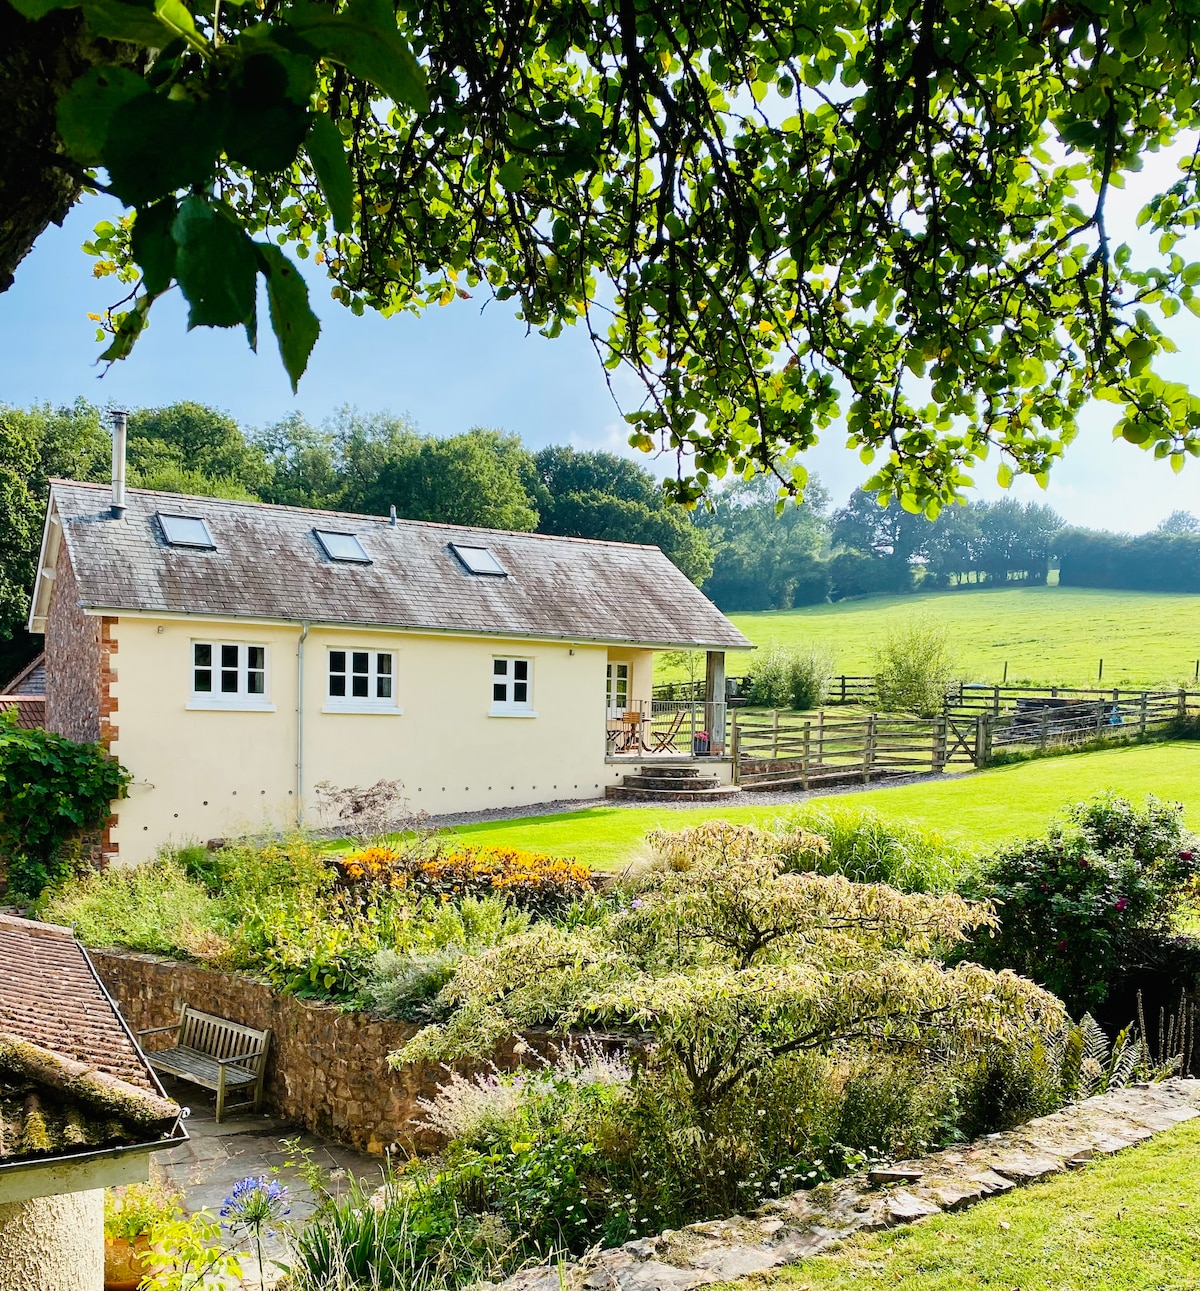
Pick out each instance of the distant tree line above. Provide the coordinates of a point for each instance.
(810, 554)
(743, 547)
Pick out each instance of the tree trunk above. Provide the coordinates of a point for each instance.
(38, 63)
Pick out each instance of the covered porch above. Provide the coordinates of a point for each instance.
(639, 727)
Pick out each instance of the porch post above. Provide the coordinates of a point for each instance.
(714, 700)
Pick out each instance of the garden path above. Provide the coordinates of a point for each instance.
(248, 1144)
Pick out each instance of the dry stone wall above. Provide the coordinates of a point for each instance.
(327, 1068)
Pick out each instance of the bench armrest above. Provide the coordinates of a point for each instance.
(241, 1057)
(155, 1030)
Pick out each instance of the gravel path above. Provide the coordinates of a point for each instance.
(763, 798)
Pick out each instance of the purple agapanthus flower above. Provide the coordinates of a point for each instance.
(255, 1204)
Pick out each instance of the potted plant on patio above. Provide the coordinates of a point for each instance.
(131, 1216)
(700, 744)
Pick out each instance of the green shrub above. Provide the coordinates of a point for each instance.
(750, 983)
(137, 1209)
(1075, 903)
(244, 871)
(50, 789)
(868, 848)
(403, 984)
(914, 668)
(790, 677)
(314, 947)
(153, 908)
(1005, 1086)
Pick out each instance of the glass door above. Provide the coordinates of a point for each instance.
(617, 689)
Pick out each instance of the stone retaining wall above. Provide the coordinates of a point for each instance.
(327, 1068)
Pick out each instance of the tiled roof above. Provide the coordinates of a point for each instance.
(50, 996)
(269, 564)
(31, 709)
(31, 680)
(51, 1107)
(71, 1077)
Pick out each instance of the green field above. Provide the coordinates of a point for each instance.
(1129, 1223)
(979, 809)
(1048, 635)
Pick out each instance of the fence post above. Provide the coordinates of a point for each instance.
(734, 746)
(939, 744)
(843, 688)
(1183, 698)
(1045, 726)
(774, 732)
(996, 700)
(869, 749)
(804, 756)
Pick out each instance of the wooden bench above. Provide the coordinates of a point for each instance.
(213, 1053)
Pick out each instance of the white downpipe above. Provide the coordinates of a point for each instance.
(300, 725)
(120, 426)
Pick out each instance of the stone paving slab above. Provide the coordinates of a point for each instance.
(807, 1223)
(206, 1167)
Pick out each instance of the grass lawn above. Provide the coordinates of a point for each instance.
(1128, 1223)
(1045, 634)
(979, 809)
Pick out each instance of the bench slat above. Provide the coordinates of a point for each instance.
(198, 1067)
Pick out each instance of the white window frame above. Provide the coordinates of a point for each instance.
(509, 707)
(613, 687)
(243, 700)
(371, 702)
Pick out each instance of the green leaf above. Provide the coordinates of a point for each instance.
(512, 174)
(328, 156)
(296, 326)
(157, 145)
(265, 125)
(35, 9)
(1004, 476)
(216, 266)
(365, 40)
(153, 246)
(134, 22)
(86, 110)
(176, 17)
(128, 330)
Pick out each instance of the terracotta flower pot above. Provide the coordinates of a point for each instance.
(124, 1265)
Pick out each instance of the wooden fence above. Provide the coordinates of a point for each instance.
(785, 750)
(794, 750)
(842, 690)
(1044, 723)
(971, 698)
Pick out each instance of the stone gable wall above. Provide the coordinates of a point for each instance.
(327, 1068)
(73, 660)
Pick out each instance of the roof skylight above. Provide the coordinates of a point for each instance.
(478, 560)
(186, 531)
(342, 547)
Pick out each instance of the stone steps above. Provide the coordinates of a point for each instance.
(679, 783)
(689, 794)
(646, 781)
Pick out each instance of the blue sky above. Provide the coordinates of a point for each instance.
(462, 366)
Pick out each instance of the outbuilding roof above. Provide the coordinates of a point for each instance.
(267, 561)
(72, 1079)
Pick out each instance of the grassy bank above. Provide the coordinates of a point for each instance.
(1047, 634)
(1130, 1222)
(980, 809)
